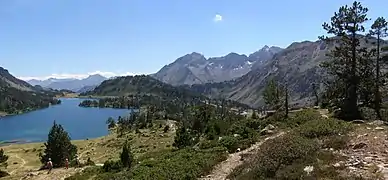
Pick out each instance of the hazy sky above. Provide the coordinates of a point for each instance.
(41, 38)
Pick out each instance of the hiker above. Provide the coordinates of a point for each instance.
(77, 160)
(67, 163)
(49, 165)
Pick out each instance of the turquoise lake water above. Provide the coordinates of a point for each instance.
(79, 122)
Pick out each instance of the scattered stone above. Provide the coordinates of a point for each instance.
(238, 150)
(336, 165)
(379, 128)
(325, 116)
(268, 129)
(358, 121)
(359, 145)
(308, 169)
(219, 138)
(236, 135)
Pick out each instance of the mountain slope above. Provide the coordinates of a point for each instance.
(18, 96)
(194, 68)
(70, 84)
(140, 85)
(298, 65)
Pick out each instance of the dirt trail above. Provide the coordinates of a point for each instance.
(21, 165)
(56, 174)
(222, 170)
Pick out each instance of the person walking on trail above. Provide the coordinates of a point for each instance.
(49, 165)
(77, 160)
(67, 163)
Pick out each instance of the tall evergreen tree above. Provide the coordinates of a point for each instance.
(346, 24)
(126, 156)
(379, 30)
(58, 147)
(272, 94)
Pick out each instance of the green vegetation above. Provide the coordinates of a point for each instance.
(58, 147)
(17, 96)
(287, 156)
(355, 73)
(3, 163)
(15, 101)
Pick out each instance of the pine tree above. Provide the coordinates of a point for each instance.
(379, 30)
(183, 138)
(126, 156)
(316, 95)
(346, 24)
(254, 115)
(111, 123)
(272, 94)
(58, 147)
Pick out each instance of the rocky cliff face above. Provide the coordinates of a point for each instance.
(194, 68)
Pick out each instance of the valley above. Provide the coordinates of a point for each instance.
(312, 109)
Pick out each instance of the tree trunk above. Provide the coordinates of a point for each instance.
(377, 85)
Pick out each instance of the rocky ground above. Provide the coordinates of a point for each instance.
(367, 151)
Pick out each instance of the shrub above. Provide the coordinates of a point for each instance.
(112, 166)
(183, 138)
(230, 142)
(243, 128)
(181, 164)
(302, 117)
(275, 155)
(3, 174)
(206, 144)
(323, 127)
(166, 128)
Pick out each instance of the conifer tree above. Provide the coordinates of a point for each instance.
(183, 138)
(346, 24)
(126, 156)
(58, 147)
(111, 123)
(379, 30)
(272, 94)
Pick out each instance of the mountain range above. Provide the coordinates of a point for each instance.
(194, 68)
(297, 65)
(234, 76)
(76, 85)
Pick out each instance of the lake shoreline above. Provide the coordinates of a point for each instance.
(22, 143)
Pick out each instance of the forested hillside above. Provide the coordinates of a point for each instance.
(17, 96)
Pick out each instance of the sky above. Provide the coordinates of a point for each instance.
(75, 38)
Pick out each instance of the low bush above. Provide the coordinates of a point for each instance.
(181, 164)
(323, 127)
(112, 166)
(230, 142)
(3, 174)
(275, 156)
(86, 174)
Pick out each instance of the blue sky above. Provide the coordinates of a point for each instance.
(64, 38)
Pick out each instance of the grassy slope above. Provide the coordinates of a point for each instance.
(98, 149)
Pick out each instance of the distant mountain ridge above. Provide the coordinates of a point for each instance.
(70, 84)
(194, 68)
